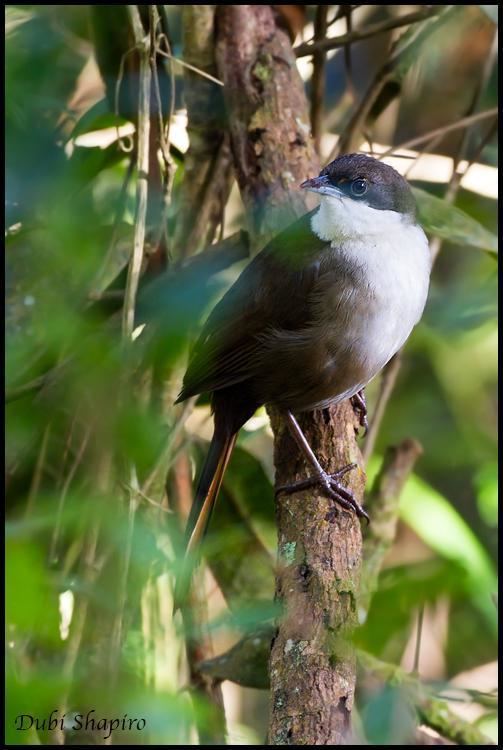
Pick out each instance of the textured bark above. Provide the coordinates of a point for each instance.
(268, 116)
(208, 164)
(312, 670)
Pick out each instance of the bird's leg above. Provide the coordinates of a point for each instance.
(329, 482)
(359, 404)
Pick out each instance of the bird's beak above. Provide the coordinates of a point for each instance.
(322, 186)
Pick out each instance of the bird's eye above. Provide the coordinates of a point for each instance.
(359, 187)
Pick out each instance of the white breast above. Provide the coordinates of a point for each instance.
(394, 257)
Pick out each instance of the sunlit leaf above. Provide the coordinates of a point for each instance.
(435, 520)
(450, 223)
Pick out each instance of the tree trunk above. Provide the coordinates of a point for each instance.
(312, 668)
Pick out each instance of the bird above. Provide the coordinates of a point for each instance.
(311, 320)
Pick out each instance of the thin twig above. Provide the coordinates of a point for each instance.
(388, 380)
(356, 36)
(463, 123)
(38, 472)
(338, 15)
(190, 67)
(491, 131)
(164, 130)
(419, 633)
(120, 75)
(341, 11)
(427, 148)
(141, 494)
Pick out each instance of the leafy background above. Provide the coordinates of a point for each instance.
(90, 564)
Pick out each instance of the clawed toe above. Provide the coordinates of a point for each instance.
(359, 404)
(332, 488)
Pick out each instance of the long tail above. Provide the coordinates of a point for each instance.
(209, 485)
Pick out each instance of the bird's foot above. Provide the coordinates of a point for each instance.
(333, 489)
(359, 404)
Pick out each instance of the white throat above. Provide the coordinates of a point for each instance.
(340, 219)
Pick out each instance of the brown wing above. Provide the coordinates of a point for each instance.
(272, 292)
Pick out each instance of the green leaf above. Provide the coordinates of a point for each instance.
(401, 590)
(115, 260)
(31, 597)
(486, 481)
(450, 223)
(86, 163)
(440, 526)
(435, 520)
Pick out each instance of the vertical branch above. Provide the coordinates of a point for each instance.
(208, 166)
(318, 77)
(350, 87)
(312, 667)
(143, 45)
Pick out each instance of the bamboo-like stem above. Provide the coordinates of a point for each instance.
(143, 44)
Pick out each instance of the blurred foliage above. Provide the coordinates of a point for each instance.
(84, 528)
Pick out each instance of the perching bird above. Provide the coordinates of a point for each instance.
(312, 319)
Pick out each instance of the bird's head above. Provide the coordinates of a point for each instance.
(361, 195)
